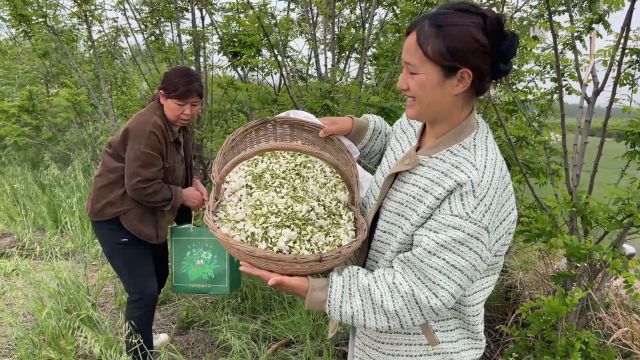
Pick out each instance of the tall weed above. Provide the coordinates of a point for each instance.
(62, 319)
(44, 208)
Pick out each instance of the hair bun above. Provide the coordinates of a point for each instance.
(504, 45)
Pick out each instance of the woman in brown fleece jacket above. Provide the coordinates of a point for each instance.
(145, 183)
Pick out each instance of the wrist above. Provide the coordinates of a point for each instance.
(181, 196)
(304, 287)
(352, 121)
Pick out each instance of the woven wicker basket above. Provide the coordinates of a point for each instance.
(286, 134)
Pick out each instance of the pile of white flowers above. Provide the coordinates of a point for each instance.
(286, 202)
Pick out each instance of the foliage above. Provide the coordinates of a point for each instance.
(72, 72)
(544, 333)
(567, 219)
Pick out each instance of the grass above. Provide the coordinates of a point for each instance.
(614, 126)
(611, 162)
(45, 209)
(609, 168)
(609, 171)
(61, 312)
(61, 318)
(59, 299)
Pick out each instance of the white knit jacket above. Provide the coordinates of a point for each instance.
(443, 229)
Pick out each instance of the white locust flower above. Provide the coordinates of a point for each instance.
(287, 202)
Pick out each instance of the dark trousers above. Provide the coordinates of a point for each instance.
(143, 269)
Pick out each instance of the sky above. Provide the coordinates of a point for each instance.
(616, 19)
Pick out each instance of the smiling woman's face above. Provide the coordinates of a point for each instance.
(422, 82)
(180, 112)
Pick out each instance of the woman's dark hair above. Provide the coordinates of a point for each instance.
(460, 35)
(180, 83)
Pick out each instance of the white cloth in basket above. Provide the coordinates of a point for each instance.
(363, 176)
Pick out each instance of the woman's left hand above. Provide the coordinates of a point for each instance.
(296, 285)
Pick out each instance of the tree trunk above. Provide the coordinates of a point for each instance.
(144, 37)
(126, 68)
(624, 35)
(275, 57)
(367, 29)
(126, 17)
(195, 37)
(334, 46)
(99, 68)
(573, 221)
(314, 39)
(176, 15)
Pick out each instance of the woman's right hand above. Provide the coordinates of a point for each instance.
(192, 198)
(340, 125)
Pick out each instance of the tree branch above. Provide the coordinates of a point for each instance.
(195, 37)
(602, 237)
(595, 78)
(574, 48)
(625, 24)
(75, 66)
(545, 146)
(308, 7)
(275, 56)
(126, 17)
(623, 172)
(106, 95)
(126, 68)
(144, 36)
(205, 70)
(367, 29)
(282, 48)
(578, 153)
(176, 15)
(607, 232)
(333, 41)
(559, 84)
(216, 29)
(626, 29)
(517, 157)
(622, 236)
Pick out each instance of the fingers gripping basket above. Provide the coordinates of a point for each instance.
(285, 134)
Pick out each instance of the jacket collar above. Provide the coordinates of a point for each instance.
(173, 130)
(411, 158)
(455, 136)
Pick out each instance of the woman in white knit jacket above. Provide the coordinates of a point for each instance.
(441, 208)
